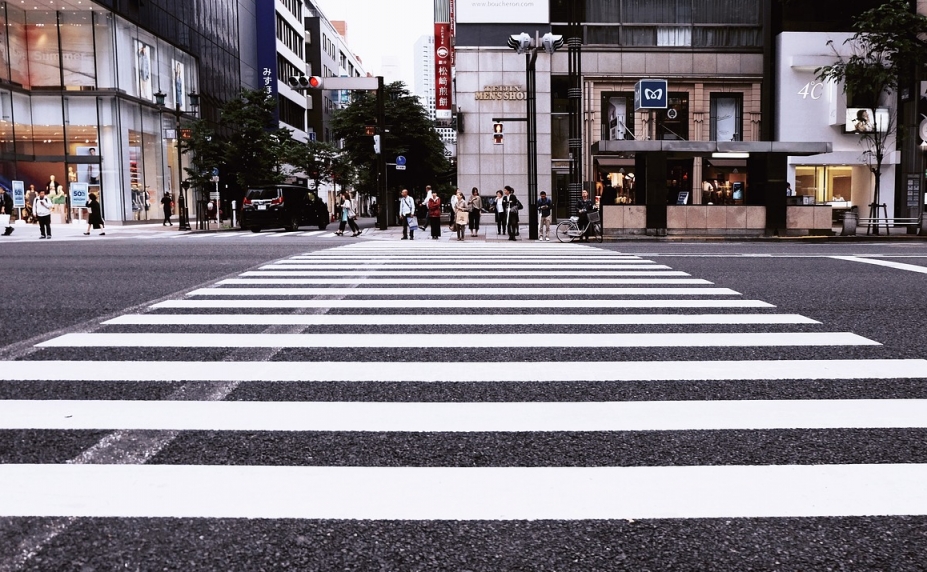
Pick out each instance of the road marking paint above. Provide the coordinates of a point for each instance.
(465, 290)
(456, 280)
(457, 272)
(414, 266)
(886, 263)
(419, 303)
(455, 319)
(627, 340)
(454, 493)
(468, 372)
(464, 417)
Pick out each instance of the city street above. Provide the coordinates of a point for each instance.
(299, 401)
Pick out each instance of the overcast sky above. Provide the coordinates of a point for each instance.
(378, 29)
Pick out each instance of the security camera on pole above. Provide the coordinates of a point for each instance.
(525, 44)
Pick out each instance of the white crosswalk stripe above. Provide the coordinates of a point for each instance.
(515, 298)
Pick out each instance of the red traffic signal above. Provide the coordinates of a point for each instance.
(304, 82)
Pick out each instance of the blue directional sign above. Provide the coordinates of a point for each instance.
(650, 94)
(400, 160)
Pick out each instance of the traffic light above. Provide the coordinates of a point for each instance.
(497, 133)
(376, 144)
(304, 82)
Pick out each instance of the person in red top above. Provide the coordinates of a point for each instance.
(434, 215)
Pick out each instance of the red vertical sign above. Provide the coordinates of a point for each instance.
(443, 70)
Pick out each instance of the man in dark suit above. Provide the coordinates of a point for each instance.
(584, 206)
(511, 205)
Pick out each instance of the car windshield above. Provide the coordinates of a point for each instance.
(263, 194)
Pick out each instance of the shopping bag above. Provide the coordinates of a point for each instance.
(413, 222)
(4, 220)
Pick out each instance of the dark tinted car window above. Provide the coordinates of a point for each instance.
(263, 194)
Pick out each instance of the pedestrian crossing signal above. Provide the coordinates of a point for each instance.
(497, 133)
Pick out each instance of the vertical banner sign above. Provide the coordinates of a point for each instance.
(267, 50)
(19, 195)
(78, 193)
(442, 70)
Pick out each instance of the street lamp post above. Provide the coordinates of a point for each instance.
(525, 44)
(184, 222)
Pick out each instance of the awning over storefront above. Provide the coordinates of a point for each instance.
(707, 148)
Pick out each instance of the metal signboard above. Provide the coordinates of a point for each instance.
(650, 94)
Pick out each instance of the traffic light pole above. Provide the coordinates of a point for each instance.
(532, 115)
(382, 198)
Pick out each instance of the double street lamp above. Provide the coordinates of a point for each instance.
(525, 44)
(184, 223)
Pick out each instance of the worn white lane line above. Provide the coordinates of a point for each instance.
(632, 340)
(452, 493)
(465, 291)
(461, 272)
(885, 263)
(432, 303)
(470, 372)
(463, 417)
(456, 319)
(456, 280)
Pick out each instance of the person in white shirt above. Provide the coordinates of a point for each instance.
(41, 207)
(500, 213)
(406, 211)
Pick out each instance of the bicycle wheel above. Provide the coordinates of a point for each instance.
(563, 231)
(597, 232)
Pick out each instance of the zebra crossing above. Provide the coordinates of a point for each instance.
(391, 319)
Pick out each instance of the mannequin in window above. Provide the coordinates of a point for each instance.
(72, 175)
(93, 173)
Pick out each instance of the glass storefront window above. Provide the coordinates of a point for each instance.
(16, 35)
(4, 50)
(77, 61)
(6, 123)
(80, 123)
(42, 45)
(103, 30)
(825, 183)
(47, 125)
(617, 115)
(22, 124)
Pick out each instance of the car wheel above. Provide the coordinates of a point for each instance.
(255, 229)
(294, 224)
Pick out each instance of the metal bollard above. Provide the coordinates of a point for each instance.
(234, 213)
(850, 219)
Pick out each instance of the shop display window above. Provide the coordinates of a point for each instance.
(727, 117)
(617, 115)
(824, 184)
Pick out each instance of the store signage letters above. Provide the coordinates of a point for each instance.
(500, 92)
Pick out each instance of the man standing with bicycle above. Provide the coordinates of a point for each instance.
(584, 206)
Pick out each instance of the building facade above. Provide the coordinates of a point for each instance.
(79, 91)
(716, 159)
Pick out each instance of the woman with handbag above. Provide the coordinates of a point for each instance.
(476, 207)
(462, 214)
(348, 215)
(95, 220)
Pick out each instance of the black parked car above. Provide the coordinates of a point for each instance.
(282, 206)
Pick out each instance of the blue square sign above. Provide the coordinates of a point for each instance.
(650, 94)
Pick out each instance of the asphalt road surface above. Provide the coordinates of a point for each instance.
(298, 403)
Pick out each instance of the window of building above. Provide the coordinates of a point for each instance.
(617, 115)
(825, 183)
(289, 37)
(726, 117)
(291, 113)
(673, 122)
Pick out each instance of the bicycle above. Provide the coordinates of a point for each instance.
(569, 230)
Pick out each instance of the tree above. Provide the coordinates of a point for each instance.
(257, 149)
(885, 50)
(409, 132)
(316, 159)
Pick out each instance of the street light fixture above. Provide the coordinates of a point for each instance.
(523, 43)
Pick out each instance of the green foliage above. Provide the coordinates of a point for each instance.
(409, 132)
(316, 159)
(888, 45)
(251, 148)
